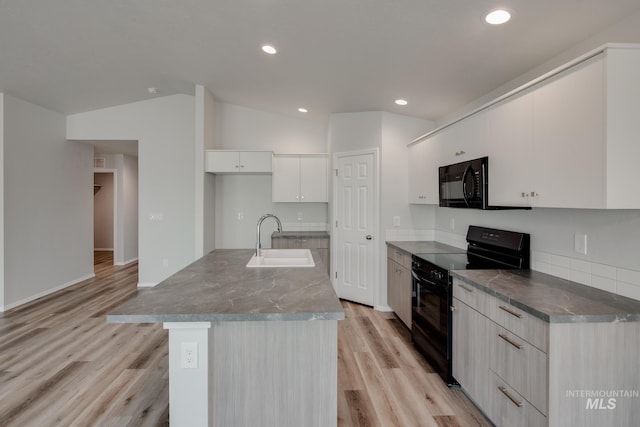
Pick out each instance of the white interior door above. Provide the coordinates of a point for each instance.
(355, 198)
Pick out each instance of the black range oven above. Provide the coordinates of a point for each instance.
(431, 328)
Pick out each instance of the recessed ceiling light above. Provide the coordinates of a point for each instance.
(401, 102)
(269, 49)
(302, 110)
(497, 17)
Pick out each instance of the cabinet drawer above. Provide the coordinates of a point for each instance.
(520, 364)
(401, 257)
(519, 322)
(470, 295)
(508, 408)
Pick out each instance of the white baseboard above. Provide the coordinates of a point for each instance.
(131, 261)
(45, 293)
(103, 249)
(384, 308)
(146, 284)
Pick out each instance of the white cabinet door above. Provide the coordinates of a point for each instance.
(510, 151)
(256, 161)
(222, 161)
(300, 179)
(568, 133)
(286, 178)
(228, 161)
(313, 179)
(423, 171)
(463, 141)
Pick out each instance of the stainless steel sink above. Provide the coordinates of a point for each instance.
(282, 258)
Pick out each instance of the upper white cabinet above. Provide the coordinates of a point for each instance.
(423, 172)
(227, 161)
(463, 141)
(568, 140)
(509, 143)
(300, 178)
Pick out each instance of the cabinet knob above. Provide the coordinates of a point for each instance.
(241, 166)
(369, 237)
(302, 197)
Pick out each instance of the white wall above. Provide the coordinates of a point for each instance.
(206, 139)
(240, 200)
(48, 204)
(130, 208)
(103, 207)
(164, 129)
(1, 201)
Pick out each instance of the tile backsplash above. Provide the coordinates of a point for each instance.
(609, 278)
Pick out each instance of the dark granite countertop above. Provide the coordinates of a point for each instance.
(219, 287)
(299, 234)
(427, 247)
(552, 299)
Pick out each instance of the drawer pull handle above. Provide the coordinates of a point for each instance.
(506, 338)
(466, 289)
(511, 398)
(511, 312)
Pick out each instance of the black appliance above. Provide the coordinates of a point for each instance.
(465, 185)
(431, 327)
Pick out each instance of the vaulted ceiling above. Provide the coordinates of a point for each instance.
(333, 55)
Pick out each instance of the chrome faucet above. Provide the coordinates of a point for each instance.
(258, 244)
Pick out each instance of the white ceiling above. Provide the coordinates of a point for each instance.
(334, 55)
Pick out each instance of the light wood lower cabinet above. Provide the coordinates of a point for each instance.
(399, 290)
(399, 283)
(504, 373)
(470, 344)
(536, 373)
(506, 407)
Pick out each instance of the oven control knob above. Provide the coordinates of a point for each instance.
(437, 275)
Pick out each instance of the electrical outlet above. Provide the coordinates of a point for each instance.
(580, 243)
(452, 224)
(189, 359)
(165, 262)
(300, 216)
(396, 221)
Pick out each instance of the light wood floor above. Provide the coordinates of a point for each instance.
(61, 364)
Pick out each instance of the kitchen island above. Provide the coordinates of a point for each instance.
(247, 346)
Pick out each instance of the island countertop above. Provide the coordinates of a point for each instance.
(219, 287)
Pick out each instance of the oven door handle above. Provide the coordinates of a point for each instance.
(421, 279)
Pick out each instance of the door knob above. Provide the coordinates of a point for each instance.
(369, 237)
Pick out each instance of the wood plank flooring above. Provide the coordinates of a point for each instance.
(61, 364)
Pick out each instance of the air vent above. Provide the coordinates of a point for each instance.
(99, 162)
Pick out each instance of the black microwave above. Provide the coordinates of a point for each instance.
(465, 184)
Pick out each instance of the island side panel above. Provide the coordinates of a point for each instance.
(189, 388)
(589, 364)
(274, 373)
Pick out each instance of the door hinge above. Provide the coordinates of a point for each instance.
(336, 223)
(336, 274)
